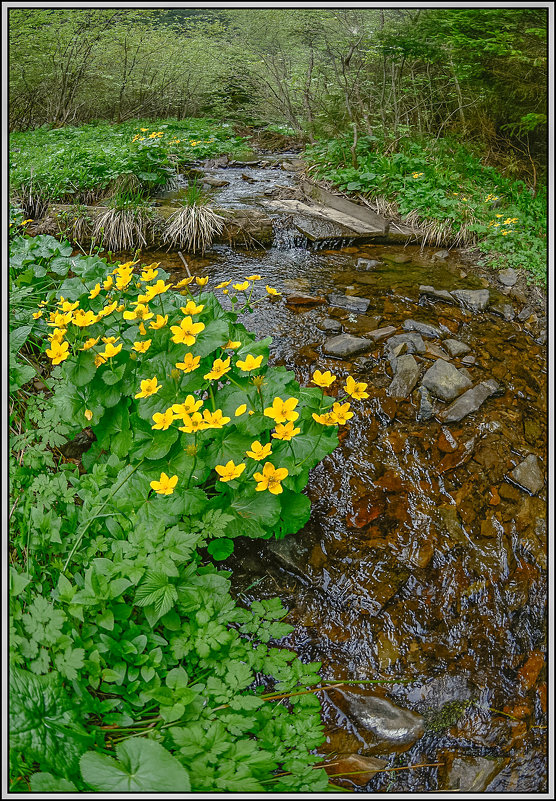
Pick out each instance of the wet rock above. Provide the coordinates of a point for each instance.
(363, 325)
(363, 364)
(304, 300)
(508, 277)
(474, 299)
(446, 441)
(528, 475)
(289, 552)
(451, 524)
(524, 314)
(532, 429)
(330, 326)
(399, 259)
(426, 410)
(435, 352)
(391, 725)
(414, 342)
(388, 410)
(349, 302)
(367, 264)
(469, 402)
(436, 294)
(345, 345)
(469, 360)
(472, 774)
(458, 457)
(505, 310)
(405, 378)
(381, 333)
(356, 768)
(424, 329)
(439, 691)
(75, 448)
(529, 673)
(441, 254)
(445, 381)
(456, 348)
(215, 182)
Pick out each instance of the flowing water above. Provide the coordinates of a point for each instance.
(421, 563)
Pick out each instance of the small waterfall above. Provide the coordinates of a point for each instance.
(286, 235)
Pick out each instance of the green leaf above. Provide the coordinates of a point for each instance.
(19, 337)
(81, 369)
(143, 766)
(221, 548)
(47, 783)
(45, 724)
(296, 510)
(155, 590)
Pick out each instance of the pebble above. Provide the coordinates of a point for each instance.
(426, 410)
(349, 302)
(345, 345)
(474, 299)
(405, 378)
(414, 342)
(424, 329)
(508, 277)
(456, 348)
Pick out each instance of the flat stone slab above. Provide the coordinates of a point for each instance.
(305, 300)
(474, 299)
(345, 345)
(445, 381)
(456, 348)
(435, 352)
(405, 378)
(436, 294)
(412, 340)
(426, 410)
(381, 333)
(473, 774)
(325, 213)
(350, 302)
(528, 475)
(469, 402)
(330, 326)
(424, 329)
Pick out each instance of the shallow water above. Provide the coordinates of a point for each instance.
(421, 563)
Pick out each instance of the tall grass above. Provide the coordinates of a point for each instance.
(127, 222)
(194, 226)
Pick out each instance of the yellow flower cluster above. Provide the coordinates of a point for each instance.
(417, 174)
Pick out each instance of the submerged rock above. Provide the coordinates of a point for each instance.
(426, 409)
(345, 345)
(436, 294)
(528, 475)
(357, 768)
(469, 402)
(474, 299)
(441, 254)
(330, 326)
(350, 302)
(367, 264)
(413, 341)
(391, 725)
(505, 310)
(473, 774)
(456, 348)
(424, 329)
(405, 378)
(435, 352)
(445, 381)
(381, 333)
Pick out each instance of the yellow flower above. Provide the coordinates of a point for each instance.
(240, 410)
(324, 419)
(160, 322)
(144, 130)
(259, 451)
(142, 329)
(90, 343)
(66, 306)
(499, 215)
(88, 414)
(232, 344)
(140, 312)
(505, 233)
(193, 423)
(229, 471)
(219, 368)
(186, 331)
(249, 363)
(110, 350)
(201, 281)
(37, 314)
(241, 287)
(270, 478)
(107, 310)
(184, 282)
(191, 308)
(215, 419)
(59, 320)
(58, 351)
(323, 379)
(282, 411)
(83, 318)
(95, 291)
(189, 363)
(25, 222)
(340, 413)
(286, 431)
(253, 277)
(272, 291)
(149, 273)
(189, 406)
(109, 283)
(58, 334)
(110, 340)
(123, 279)
(355, 388)
(156, 289)
(149, 386)
(223, 284)
(163, 420)
(142, 347)
(166, 484)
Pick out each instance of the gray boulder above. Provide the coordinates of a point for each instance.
(456, 348)
(424, 329)
(350, 302)
(436, 294)
(528, 475)
(407, 373)
(474, 299)
(413, 341)
(508, 277)
(441, 254)
(445, 381)
(344, 345)
(330, 326)
(473, 774)
(469, 402)
(381, 333)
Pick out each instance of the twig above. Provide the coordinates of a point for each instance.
(185, 264)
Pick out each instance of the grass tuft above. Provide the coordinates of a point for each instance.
(126, 224)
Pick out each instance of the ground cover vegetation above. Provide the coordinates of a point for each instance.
(132, 668)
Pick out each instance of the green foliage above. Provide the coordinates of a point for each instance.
(132, 667)
(444, 188)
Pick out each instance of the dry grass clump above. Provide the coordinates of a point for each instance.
(192, 228)
(126, 223)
